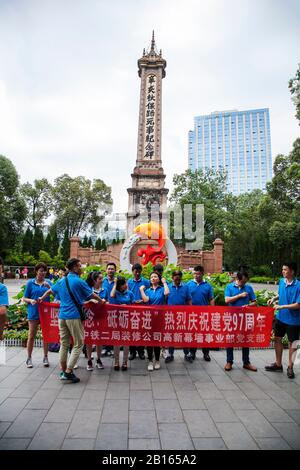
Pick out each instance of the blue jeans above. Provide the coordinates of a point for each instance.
(245, 355)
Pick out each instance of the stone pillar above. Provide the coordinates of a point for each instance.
(218, 255)
(74, 247)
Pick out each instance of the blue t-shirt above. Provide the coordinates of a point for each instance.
(156, 296)
(202, 293)
(126, 297)
(108, 285)
(103, 294)
(134, 286)
(3, 295)
(178, 295)
(289, 294)
(233, 289)
(33, 291)
(81, 291)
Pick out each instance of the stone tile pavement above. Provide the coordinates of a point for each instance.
(181, 406)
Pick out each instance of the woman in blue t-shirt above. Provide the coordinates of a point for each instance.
(156, 294)
(95, 280)
(120, 295)
(34, 289)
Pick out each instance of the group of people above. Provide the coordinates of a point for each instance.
(72, 292)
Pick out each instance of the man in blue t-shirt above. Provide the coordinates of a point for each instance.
(134, 285)
(179, 295)
(108, 284)
(238, 294)
(69, 320)
(202, 293)
(287, 319)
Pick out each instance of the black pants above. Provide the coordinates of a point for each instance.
(156, 350)
(137, 349)
(193, 351)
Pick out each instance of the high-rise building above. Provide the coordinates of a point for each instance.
(236, 141)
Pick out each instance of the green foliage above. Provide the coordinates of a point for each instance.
(44, 257)
(294, 86)
(261, 279)
(79, 204)
(263, 270)
(17, 315)
(98, 244)
(58, 262)
(12, 207)
(38, 242)
(262, 297)
(27, 241)
(90, 243)
(84, 242)
(38, 199)
(65, 247)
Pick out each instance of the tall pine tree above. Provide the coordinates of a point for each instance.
(65, 247)
(37, 242)
(27, 241)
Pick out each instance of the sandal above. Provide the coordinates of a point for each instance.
(124, 366)
(117, 367)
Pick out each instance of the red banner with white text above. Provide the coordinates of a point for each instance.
(178, 326)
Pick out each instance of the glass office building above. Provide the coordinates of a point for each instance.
(237, 141)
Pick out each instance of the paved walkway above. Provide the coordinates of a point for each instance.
(182, 406)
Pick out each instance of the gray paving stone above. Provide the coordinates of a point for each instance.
(62, 410)
(71, 391)
(163, 391)
(224, 383)
(97, 383)
(144, 444)
(208, 391)
(168, 412)
(26, 390)
(117, 391)
(160, 376)
(183, 383)
(112, 437)
(140, 382)
(115, 411)
(26, 424)
(11, 407)
(92, 400)
(209, 443)
(4, 393)
(221, 412)
(84, 425)
(50, 436)
(78, 444)
(5, 372)
(53, 381)
(14, 444)
(190, 400)
(256, 424)
(12, 381)
(236, 436)
(119, 376)
(272, 443)
(272, 411)
(43, 399)
(175, 436)
(237, 375)
(294, 415)
(141, 400)
(290, 433)
(284, 400)
(252, 391)
(238, 400)
(200, 423)
(142, 424)
(4, 425)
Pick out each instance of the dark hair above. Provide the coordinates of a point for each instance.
(241, 274)
(111, 264)
(137, 266)
(157, 274)
(199, 268)
(72, 263)
(92, 277)
(292, 266)
(120, 282)
(177, 272)
(158, 268)
(40, 266)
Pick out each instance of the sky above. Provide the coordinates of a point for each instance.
(69, 88)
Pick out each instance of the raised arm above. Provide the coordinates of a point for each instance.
(113, 291)
(144, 296)
(166, 287)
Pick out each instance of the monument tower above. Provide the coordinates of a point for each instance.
(148, 192)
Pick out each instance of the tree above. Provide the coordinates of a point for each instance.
(44, 257)
(27, 241)
(65, 247)
(104, 246)
(98, 244)
(84, 242)
(12, 207)
(294, 86)
(48, 243)
(80, 204)
(37, 242)
(90, 243)
(38, 199)
(54, 240)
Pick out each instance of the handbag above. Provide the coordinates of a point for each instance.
(80, 308)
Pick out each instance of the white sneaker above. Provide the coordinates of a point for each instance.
(76, 366)
(150, 366)
(157, 366)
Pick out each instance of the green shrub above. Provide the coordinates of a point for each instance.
(260, 279)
